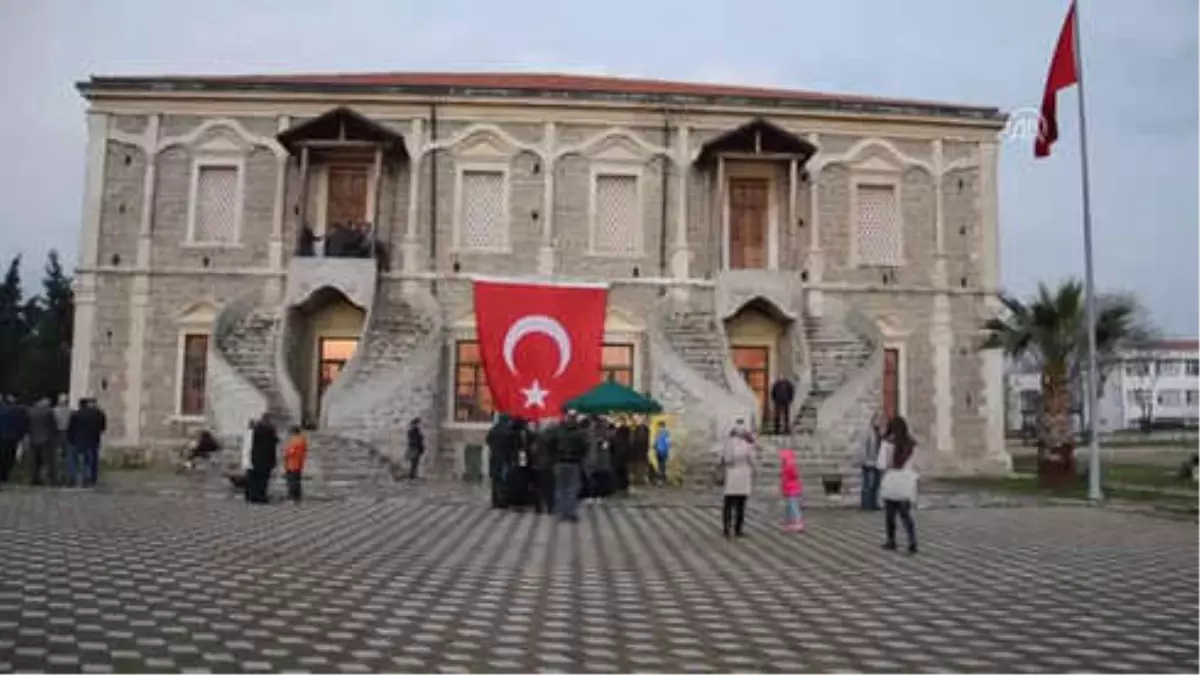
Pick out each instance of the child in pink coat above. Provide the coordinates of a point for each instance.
(792, 490)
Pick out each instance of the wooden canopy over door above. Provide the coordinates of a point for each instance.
(748, 204)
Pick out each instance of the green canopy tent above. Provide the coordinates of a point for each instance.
(611, 397)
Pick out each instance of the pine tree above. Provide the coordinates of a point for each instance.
(45, 368)
(13, 328)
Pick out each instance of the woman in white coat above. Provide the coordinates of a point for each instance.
(737, 458)
(898, 487)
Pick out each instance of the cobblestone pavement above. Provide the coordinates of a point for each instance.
(435, 582)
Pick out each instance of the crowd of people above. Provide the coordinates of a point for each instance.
(61, 446)
(552, 466)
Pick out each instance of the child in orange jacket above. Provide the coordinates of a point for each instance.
(293, 462)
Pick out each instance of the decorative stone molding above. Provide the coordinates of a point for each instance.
(352, 277)
(851, 157)
(614, 145)
(736, 288)
(485, 139)
(220, 144)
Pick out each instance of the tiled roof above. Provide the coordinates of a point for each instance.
(466, 83)
(1175, 345)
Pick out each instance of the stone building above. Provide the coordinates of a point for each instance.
(846, 243)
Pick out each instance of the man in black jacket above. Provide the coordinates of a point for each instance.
(264, 442)
(14, 423)
(416, 447)
(782, 394)
(85, 428)
(499, 440)
(568, 468)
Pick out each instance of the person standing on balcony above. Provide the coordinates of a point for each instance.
(869, 458)
(783, 392)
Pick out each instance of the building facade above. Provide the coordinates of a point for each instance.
(1158, 384)
(848, 244)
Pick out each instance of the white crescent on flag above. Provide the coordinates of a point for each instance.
(537, 323)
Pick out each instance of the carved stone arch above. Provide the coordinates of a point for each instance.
(203, 311)
(202, 136)
(484, 141)
(892, 159)
(619, 320)
(616, 144)
(767, 301)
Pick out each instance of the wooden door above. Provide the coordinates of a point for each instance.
(346, 200)
(754, 363)
(748, 212)
(891, 382)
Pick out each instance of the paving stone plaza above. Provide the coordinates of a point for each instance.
(429, 579)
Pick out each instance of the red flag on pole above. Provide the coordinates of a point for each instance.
(540, 343)
(1062, 75)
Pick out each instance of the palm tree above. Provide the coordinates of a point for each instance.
(1052, 329)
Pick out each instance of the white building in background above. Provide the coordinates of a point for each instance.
(1160, 383)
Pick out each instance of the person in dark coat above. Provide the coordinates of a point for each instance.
(518, 483)
(306, 242)
(416, 447)
(14, 423)
(568, 469)
(499, 440)
(85, 430)
(43, 443)
(783, 392)
(264, 444)
(544, 452)
(639, 461)
(622, 448)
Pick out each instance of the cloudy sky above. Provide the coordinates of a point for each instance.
(1140, 70)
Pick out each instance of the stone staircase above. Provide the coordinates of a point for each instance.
(336, 461)
(392, 378)
(695, 336)
(249, 348)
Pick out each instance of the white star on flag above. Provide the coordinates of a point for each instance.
(535, 396)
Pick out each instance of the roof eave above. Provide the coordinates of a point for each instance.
(978, 114)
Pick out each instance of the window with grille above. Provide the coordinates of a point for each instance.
(216, 205)
(484, 224)
(472, 398)
(195, 364)
(878, 236)
(616, 363)
(616, 218)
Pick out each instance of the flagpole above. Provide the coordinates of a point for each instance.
(1093, 380)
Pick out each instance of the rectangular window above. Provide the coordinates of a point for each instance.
(193, 374)
(1170, 368)
(1193, 367)
(1138, 369)
(1139, 397)
(616, 221)
(483, 223)
(215, 208)
(472, 399)
(878, 236)
(1193, 397)
(616, 363)
(1030, 400)
(1170, 398)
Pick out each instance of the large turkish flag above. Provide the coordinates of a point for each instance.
(540, 343)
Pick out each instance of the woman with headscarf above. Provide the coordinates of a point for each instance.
(737, 459)
(898, 487)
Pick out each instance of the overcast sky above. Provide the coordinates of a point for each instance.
(1140, 70)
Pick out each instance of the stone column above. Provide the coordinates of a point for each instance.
(139, 293)
(85, 279)
(545, 259)
(411, 248)
(992, 360)
(816, 255)
(941, 334)
(681, 254)
(276, 244)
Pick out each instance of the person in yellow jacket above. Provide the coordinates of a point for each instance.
(294, 456)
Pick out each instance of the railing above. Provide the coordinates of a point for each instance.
(340, 241)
